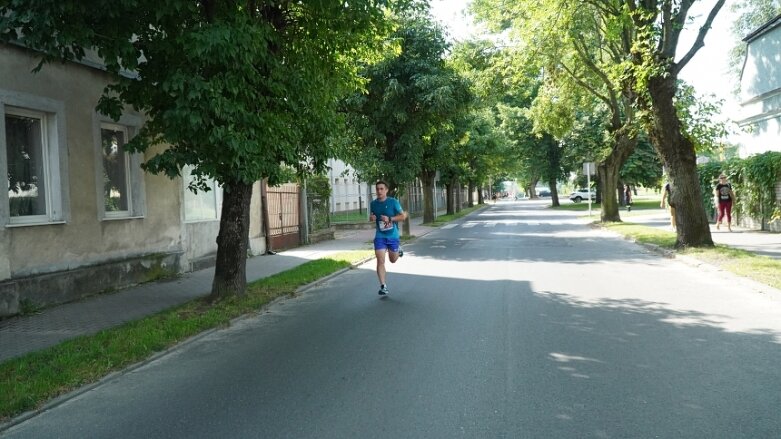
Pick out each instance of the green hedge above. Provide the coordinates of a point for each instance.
(753, 179)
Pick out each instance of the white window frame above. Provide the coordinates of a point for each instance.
(215, 192)
(134, 175)
(53, 144)
(128, 184)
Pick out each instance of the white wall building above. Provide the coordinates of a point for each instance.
(760, 86)
(347, 193)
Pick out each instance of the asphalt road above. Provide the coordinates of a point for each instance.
(518, 322)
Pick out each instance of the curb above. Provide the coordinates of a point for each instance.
(670, 254)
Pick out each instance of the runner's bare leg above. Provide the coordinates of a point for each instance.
(380, 255)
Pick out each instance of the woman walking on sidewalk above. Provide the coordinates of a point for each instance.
(724, 198)
(628, 197)
(667, 194)
(386, 212)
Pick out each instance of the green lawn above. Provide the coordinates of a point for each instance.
(349, 217)
(638, 207)
(444, 219)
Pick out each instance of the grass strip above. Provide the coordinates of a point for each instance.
(744, 263)
(29, 381)
(760, 268)
(444, 219)
(349, 217)
(637, 206)
(644, 234)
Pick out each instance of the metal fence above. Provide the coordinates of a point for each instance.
(318, 214)
(416, 200)
(283, 214)
(350, 201)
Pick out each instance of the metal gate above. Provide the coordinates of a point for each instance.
(283, 215)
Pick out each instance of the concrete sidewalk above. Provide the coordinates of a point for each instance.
(23, 334)
(756, 241)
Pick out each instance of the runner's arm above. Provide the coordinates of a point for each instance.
(400, 217)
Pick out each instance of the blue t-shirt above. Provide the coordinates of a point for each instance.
(389, 207)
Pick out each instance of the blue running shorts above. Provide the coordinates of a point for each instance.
(386, 243)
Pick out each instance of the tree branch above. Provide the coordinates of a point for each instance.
(582, 54)
(668, 28)
(585, 85)
(700, 41)
(672, 27)
(604, 7)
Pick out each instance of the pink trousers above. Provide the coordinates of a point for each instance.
(725, 208)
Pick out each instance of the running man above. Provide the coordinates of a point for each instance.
(386, 212)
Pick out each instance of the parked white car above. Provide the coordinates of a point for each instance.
(582, 194)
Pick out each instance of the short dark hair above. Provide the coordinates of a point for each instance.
(381, 182)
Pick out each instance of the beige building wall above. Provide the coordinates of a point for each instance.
(84, 236)
(257, 237)
(82, 251)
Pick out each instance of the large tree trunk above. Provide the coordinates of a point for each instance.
(427, 178)
(609, 171)
(608, 179)
(449, 198)
(406, 226)
(230, 271)
(533, 188)
(680, 160)
(554, 192)
(470, 195)
(459, 195)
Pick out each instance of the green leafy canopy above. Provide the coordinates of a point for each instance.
(409, 106)
(232, 88)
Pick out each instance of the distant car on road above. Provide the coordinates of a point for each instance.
(582, 194)
(543, 193)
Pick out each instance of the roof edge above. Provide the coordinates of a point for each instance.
(776, 21)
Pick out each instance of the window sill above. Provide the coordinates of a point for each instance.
(205, 220)
(50, 223)
(120, 218)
